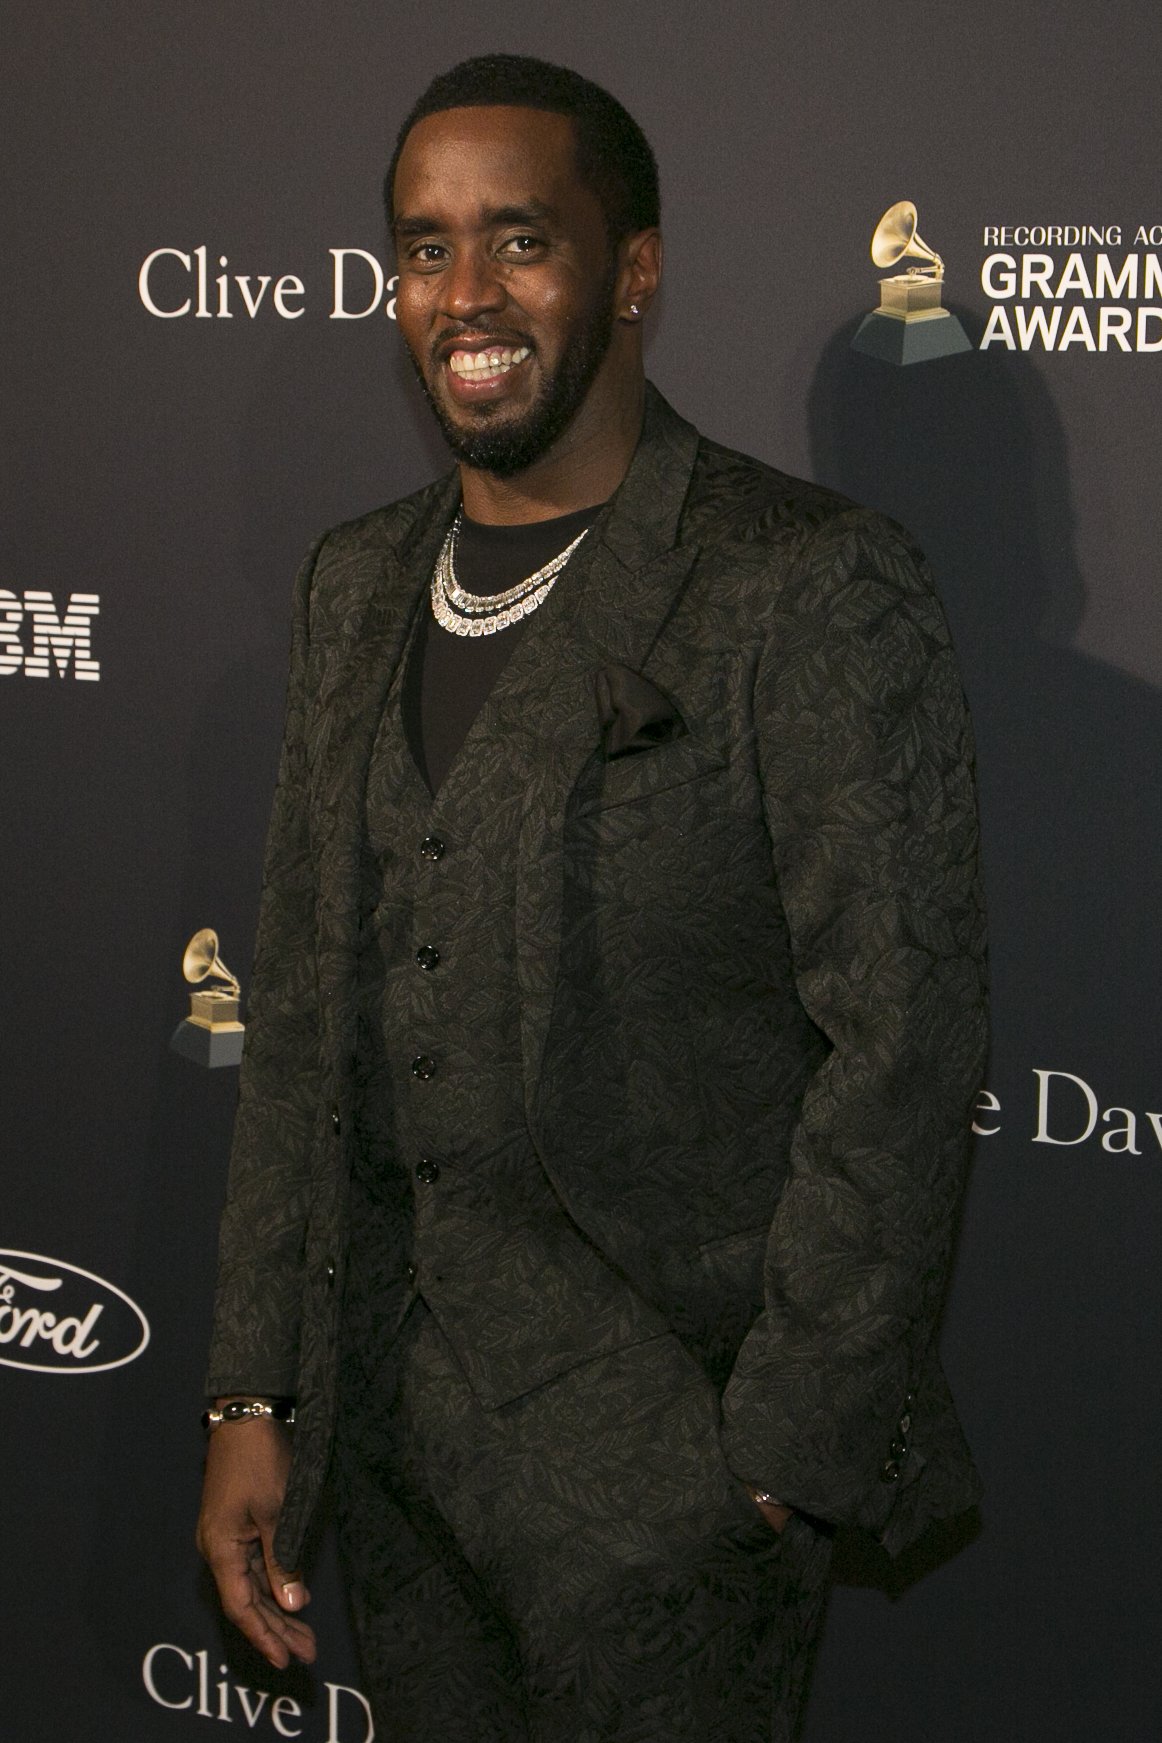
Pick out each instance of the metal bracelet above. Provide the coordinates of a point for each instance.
(248, 1409)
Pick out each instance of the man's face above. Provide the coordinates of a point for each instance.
(506, 279)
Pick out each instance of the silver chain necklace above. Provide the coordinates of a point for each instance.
(475, 614)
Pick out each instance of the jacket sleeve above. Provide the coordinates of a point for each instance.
(260, 1260)
(865, 757)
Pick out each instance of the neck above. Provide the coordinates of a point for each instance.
(585, 465)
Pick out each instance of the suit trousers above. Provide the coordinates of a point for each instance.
(577, 1566)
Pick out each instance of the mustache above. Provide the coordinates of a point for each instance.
(451, 337)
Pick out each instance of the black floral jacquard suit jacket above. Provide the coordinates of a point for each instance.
(750, 951)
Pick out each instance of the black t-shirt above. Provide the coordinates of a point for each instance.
(449, 677)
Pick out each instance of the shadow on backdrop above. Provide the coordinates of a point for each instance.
(969, 453)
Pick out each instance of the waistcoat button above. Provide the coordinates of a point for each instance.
(427, 1171)
(427, 956)
(335, 1121)
(423, 1066)
(431, 847)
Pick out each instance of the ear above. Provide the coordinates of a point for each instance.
(640, 274)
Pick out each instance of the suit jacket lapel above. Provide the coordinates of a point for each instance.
(616, 603)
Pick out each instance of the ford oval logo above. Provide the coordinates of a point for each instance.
(56, 1318)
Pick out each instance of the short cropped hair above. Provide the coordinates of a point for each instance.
(614, 157)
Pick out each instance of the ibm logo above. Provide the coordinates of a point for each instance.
(55, 640)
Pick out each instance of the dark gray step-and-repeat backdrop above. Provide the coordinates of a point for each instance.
(203, 371)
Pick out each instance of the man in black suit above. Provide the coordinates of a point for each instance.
(616, 1017)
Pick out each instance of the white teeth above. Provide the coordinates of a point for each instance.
(478, 365)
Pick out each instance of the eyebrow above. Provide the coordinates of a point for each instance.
(528, 212)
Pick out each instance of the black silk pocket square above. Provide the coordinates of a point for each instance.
(634, 714)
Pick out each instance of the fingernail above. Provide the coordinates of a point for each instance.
(293, 1595)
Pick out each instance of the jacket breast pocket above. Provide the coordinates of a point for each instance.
(639, 775)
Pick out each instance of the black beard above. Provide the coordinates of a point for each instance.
(509, 449)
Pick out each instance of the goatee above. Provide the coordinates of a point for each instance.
(507, 449)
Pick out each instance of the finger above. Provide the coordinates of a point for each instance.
(249, 1605)
(231, 1561)
(287, 1589)
(240, 1575)
(283, 1634)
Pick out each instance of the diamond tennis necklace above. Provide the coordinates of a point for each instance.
(474, 614)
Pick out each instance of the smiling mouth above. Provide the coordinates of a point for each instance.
(488, 365)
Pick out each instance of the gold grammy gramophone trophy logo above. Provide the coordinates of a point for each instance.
(911, 324)
(211, 1035)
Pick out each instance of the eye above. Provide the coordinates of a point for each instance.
(523, 246)
(427, 254)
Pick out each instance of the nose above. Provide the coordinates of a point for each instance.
(472, 285)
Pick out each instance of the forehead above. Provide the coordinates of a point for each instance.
(498, 154)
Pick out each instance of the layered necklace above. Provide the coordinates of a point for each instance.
(484, 614)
